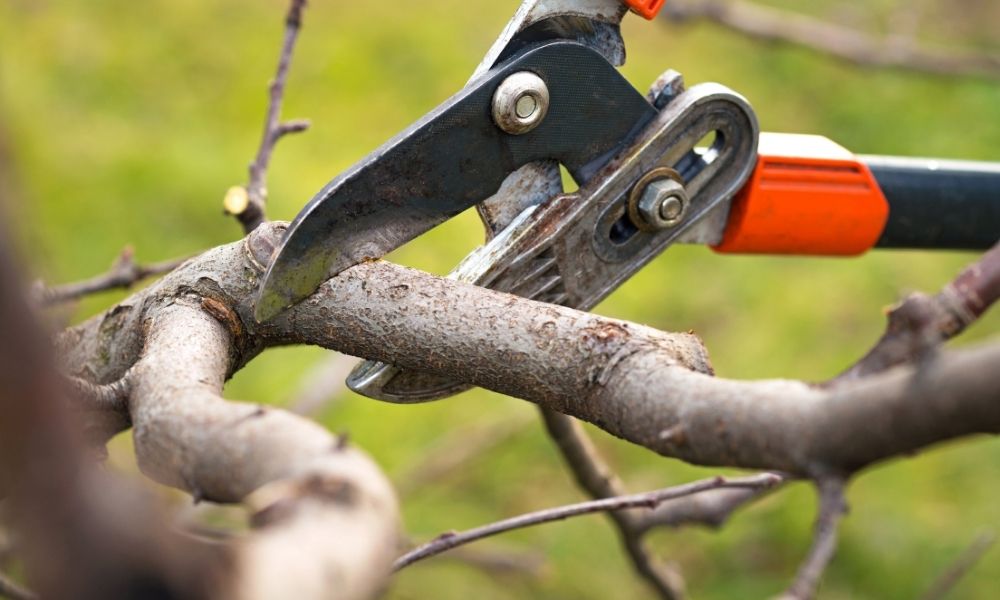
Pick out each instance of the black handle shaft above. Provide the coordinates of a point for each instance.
(940, 204)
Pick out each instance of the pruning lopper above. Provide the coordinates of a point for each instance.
(548, 94)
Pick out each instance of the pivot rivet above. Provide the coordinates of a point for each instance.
(520, 103)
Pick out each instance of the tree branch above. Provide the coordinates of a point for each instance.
(710, 509)
(124, 273)
(831, 509)
(921, 323)
(649, 387)
(319, 506)
(451, 540)
(81, 533)
(597, 479)
(770, 24)
(9, 589)
(962, 565)
(248, 204)
(113, 396)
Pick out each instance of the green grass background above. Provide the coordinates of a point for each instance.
(127, 121)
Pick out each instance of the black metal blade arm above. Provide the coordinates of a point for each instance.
(451, 159)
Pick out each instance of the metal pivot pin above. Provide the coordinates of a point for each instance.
(520, 103)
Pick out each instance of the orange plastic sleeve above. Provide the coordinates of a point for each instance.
(807, 195)
(646, 8)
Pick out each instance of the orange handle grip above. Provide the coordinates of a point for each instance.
(807, 195)
(645, 8)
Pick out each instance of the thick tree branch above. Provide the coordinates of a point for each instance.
(451, 540)
(110, 397)
(770, 24)
(248, 204)
(321, 508)
(597, 479)
(649, 387)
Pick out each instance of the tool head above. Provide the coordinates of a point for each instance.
(457, 156)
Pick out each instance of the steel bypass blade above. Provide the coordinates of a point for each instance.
(453, 158)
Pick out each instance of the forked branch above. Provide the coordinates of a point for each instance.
(921, 323)
(598, 480)
(832, 508)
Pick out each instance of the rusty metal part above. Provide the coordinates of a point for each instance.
(592, 23)
(530, 185)
(658, 200)
(450, 160)
(575, 249)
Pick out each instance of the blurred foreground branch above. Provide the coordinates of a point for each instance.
(9, 589)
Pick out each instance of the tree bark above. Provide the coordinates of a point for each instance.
(652, 388)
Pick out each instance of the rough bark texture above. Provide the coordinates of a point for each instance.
(325, 518)
(646, 386)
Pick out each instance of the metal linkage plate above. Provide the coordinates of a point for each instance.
(576, 249)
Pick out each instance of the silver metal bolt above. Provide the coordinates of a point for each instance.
(671, 208)
(520, 103)
(661, 205)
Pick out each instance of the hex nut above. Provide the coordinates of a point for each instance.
(658, 201)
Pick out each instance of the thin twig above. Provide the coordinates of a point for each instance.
(597, 479)
(770, 24)
(962, 565)
(710, 509)
(249, 207)
(497, 561)
(124, 273)
(451, 540)
(921, 322)
(9, 589)
(831, 509)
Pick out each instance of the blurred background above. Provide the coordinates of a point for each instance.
(127, 121)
